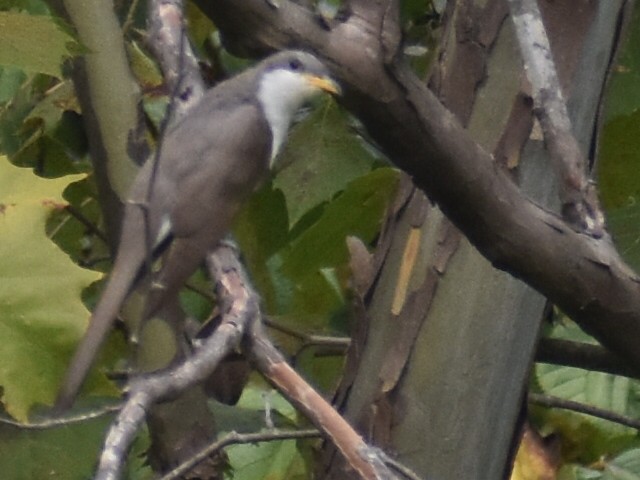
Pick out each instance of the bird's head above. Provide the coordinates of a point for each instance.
(286, 81)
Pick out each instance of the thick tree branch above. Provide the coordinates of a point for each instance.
(109, 97)
(583, 275)
(240, 304)
(582, 355)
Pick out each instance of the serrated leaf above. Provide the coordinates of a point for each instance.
(56, 101)
(42, 314)
(34, 43)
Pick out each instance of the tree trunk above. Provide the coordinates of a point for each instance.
(443, 366)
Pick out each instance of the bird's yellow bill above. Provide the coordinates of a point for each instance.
(325, 83)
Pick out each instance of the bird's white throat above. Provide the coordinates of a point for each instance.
(281, 93)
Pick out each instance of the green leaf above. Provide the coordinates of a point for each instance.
(65, 453)
(592, 437)
(261, 229)
(35, 7)
(619, 152)
(36, 44)
(322, 157)
(255, 397)
(143, 67)
(624, 467)
(271, 460)
(10, 80)
(42, 314)
(297, 270)
(623, 90)
(54, 137)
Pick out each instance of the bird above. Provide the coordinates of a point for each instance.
(182, 205)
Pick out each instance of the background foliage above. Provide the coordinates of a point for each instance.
(292, 235)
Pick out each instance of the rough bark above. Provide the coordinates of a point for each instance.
(582, 275)
(449, 406)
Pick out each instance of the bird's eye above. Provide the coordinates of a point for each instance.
(295, 64)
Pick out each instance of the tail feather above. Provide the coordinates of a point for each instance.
(118, 287)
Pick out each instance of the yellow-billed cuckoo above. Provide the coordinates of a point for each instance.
(209, 164)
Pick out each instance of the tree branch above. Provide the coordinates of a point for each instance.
(361, 457)
(578, 196)
(555, 402)
(582, 355)
(109, 97)
(147, 390)
(582, 275)
(170, 45)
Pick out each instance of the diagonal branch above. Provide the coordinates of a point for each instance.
(582, 275)
(147, 390)
(366, 460)
(579, 201)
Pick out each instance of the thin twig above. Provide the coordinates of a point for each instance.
(78, 215)
(400, 468)
(147, 390)
(555, 402)
(63, 421)
(309, 339)
(234, 438)
(130, 14)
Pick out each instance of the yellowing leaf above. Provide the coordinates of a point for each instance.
(534, 460)
(41, 314)
(34, 43)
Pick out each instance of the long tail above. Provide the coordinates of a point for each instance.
(120, 284)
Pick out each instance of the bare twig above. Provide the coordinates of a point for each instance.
(270, 362)
(126, 25)
(63, 421)
(400, 468)
(555, 402)
(579, 200)
(234, 438)
(149, 389)
(309, 339)
(89, 225)
(582, 355)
